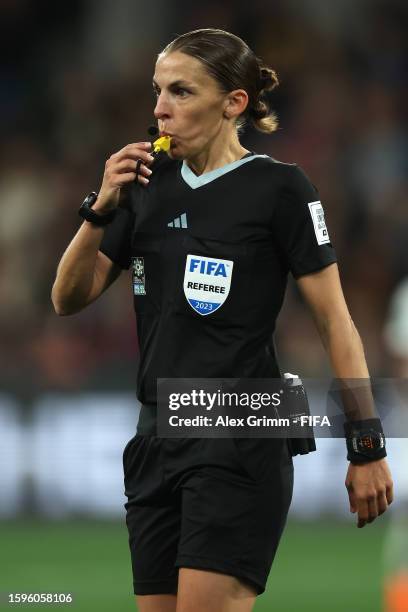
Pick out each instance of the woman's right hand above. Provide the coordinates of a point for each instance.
(120, 169)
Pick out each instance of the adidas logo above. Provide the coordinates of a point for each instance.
(179, 222)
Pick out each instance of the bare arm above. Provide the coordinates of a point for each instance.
(369, 485)
(323, 293)
(84, 272)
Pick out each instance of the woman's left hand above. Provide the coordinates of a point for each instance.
(370, 490)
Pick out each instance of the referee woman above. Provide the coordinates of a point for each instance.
(205, 516)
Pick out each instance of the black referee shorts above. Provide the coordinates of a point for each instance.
(215, 504)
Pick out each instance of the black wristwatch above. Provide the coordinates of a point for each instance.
(365, 443)
(86, 212)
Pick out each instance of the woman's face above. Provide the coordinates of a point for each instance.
(189, 105)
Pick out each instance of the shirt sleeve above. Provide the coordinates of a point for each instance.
(299, 226)
(116, 242)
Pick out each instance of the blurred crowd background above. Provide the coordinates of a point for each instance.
(76, 87)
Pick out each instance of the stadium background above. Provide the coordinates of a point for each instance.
(75, 87)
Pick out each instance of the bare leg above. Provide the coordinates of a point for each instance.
(207, 591)
(156, 603)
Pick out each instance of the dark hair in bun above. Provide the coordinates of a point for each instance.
(260, 113)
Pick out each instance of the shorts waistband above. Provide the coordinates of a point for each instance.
(147, 423)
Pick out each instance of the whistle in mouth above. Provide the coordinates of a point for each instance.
(162, 144)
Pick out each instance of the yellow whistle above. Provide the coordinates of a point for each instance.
(162, 144)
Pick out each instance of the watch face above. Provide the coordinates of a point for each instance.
(369, 442)
(90, 199)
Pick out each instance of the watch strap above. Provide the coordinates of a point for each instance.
(86, 212)
(365, 441)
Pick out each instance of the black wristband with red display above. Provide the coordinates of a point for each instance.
(365, 440)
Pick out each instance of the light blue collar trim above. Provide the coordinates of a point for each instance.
(195, 181)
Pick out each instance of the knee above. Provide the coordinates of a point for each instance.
(208, 591)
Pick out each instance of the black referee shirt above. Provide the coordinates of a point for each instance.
(210, 257)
